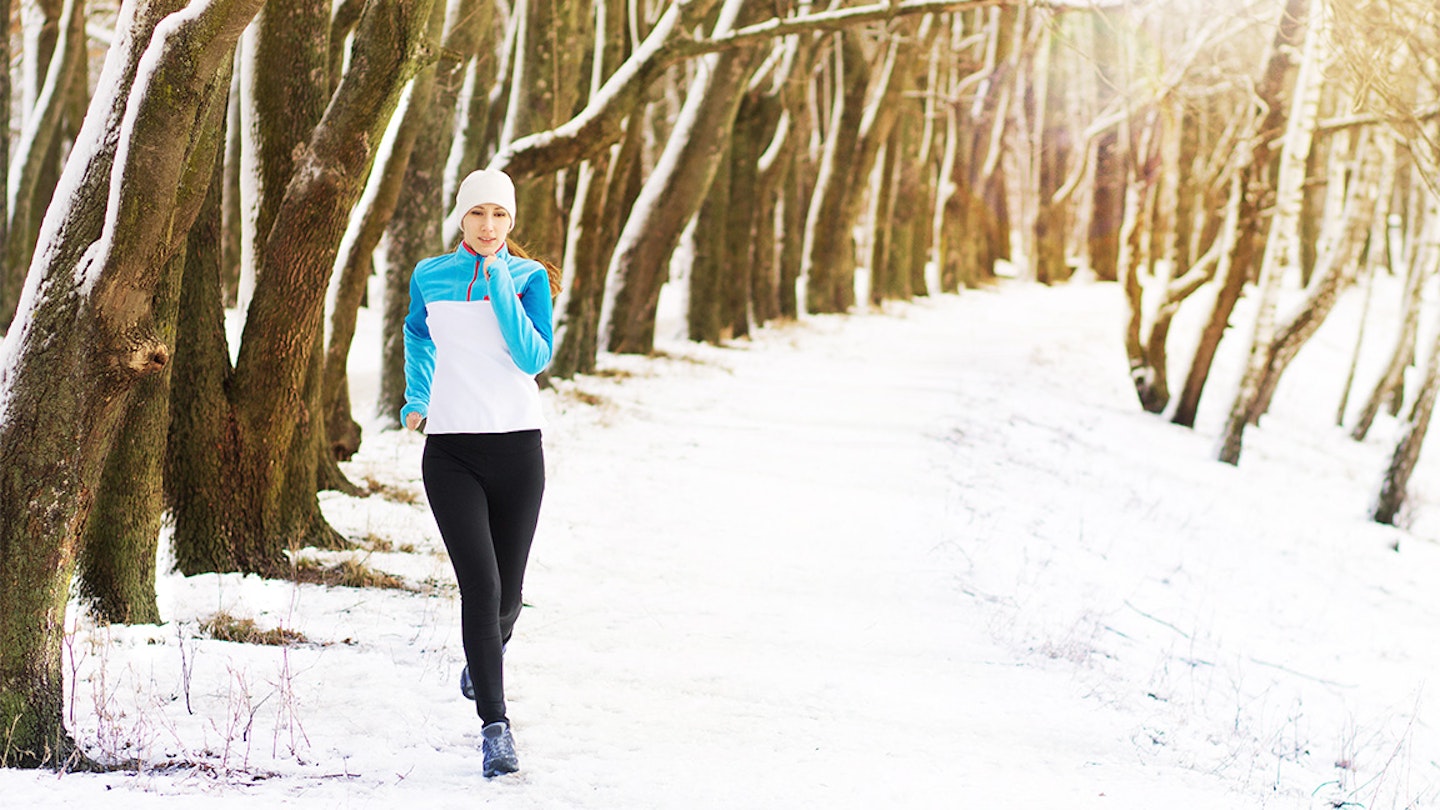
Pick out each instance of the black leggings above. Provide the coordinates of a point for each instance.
(485, 491)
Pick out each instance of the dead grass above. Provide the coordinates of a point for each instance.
(223, 626)
(374, 542)
(348, 573)
(390, 492)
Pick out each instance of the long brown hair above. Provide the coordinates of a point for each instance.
(551, 271)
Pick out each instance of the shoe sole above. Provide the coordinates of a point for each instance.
(491, 773)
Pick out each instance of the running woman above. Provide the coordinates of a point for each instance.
(477, 333)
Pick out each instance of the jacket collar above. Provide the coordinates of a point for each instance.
(463, 249)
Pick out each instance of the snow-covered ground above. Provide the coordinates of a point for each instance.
(928, 558)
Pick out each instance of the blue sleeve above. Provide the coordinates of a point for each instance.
(419, 354)
(526, 321)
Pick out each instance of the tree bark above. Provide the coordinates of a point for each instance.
(116, 563)
(1108, 196)
(544, 93)
(88, 334)
(6, 306)
(713, 255)
(1050, 215)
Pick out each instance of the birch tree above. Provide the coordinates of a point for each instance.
(1338, 257)
(1282, 247)
(1265, 121)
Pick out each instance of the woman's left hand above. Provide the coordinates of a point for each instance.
(486, 266)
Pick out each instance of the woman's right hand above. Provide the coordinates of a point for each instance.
(412, 420)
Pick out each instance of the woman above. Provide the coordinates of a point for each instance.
(478, 331)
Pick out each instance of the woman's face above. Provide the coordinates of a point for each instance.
(485, 227)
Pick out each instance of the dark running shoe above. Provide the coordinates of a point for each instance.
(498, 749)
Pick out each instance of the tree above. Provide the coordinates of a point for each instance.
(674, 191)
(1282, 247)
(1338, 258)
(79, 349)
(30, 178)
(1391, 495)
(1268, 120)
(240, 516)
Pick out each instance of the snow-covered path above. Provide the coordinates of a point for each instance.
(769, 597)
(933, 558)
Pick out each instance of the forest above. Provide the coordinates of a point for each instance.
(167, 162)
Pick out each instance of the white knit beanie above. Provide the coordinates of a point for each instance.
(485, 186)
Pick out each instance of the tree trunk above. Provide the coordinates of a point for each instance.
(201, 446)
(829, 260)
(673, 193)
(116, 563)
(27, 189)
(1391, 496)
(358, 250)
(608, 193)
(1108, 195)
(544, 93)
(1140, 193)
(6, 306)
(232, 212)
(1423, 265)
(794, 210)
(1337, 261)
(1282, 244)
(291, 47)
(747, 142)
(1257, 188)
(713, 257)
(606, 185)
(1050, 215)
(88, 335)
(771, 166)
(882, 213)
(413, 231)
(976, 227)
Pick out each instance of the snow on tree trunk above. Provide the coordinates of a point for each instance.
(1282, 244)
(26, 189)
(673, 193)
(85, 334)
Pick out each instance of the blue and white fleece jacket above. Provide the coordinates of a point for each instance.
(473, 347)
